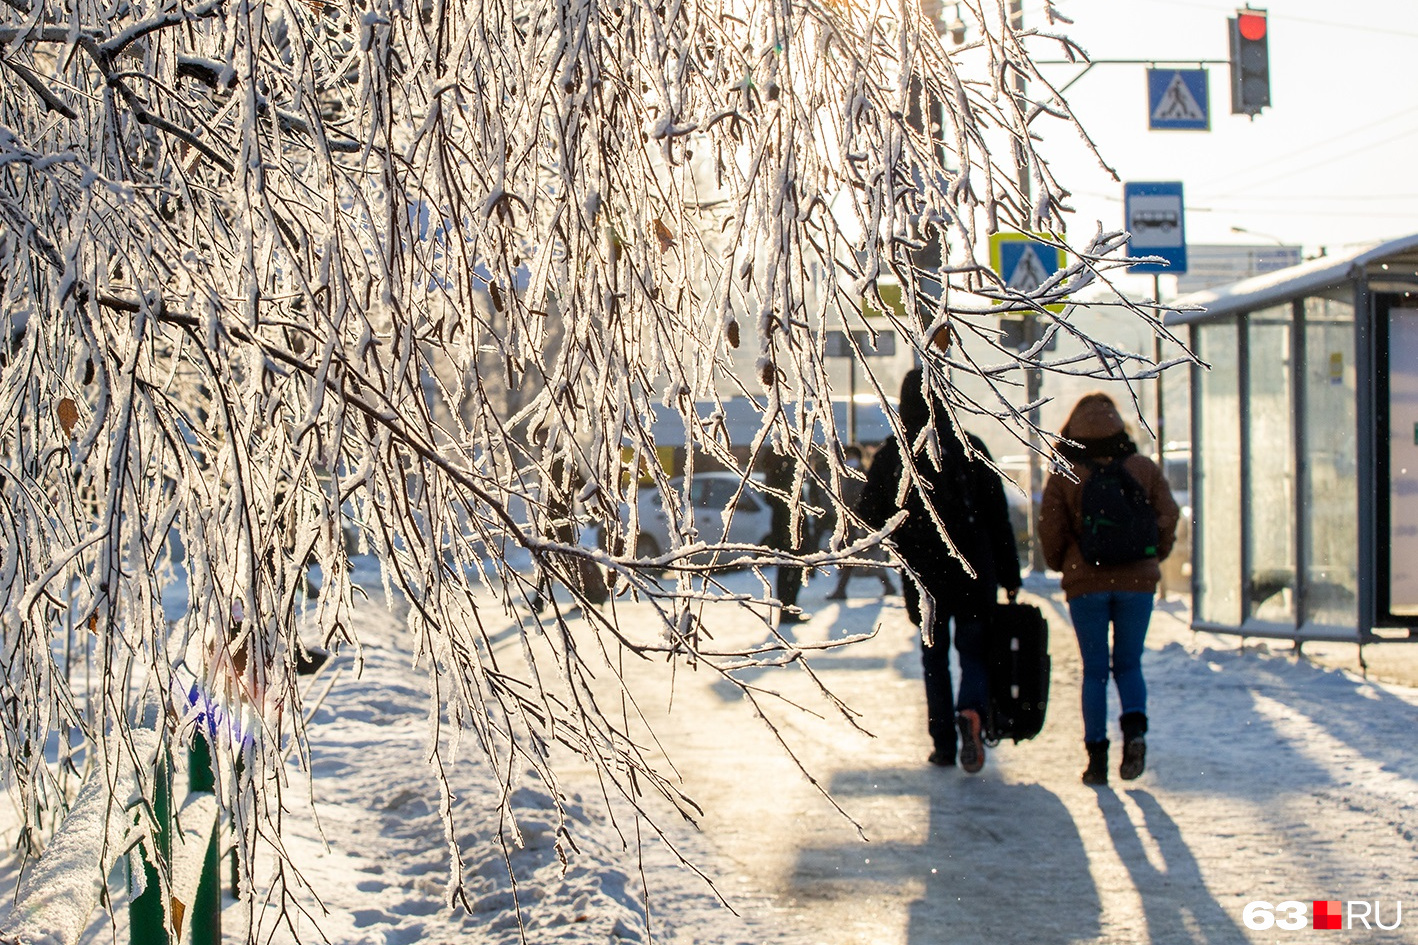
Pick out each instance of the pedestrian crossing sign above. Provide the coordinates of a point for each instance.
(1025, 261)
(1177, 100)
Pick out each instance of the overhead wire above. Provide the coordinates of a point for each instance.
(1269, 165)
(1269, 168)
(1282, 17)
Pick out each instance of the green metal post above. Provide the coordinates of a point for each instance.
(207, 909)
(146, 915)
(235, 861)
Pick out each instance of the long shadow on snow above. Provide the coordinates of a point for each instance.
(1175, 901)
(1206, 735)
(1363, 715)
(1001, 863)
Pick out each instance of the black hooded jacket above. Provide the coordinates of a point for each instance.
(968, 497)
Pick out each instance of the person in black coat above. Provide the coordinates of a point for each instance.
(789, 580)
(968, 497)
(851, 495)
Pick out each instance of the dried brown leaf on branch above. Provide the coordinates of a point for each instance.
(68, 412)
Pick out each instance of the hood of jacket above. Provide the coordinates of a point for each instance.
(1094, 417)
(1098, 429)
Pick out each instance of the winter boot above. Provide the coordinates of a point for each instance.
(972, 746)
(1097, 772)
(1134, 745)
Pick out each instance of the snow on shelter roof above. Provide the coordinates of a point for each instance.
(1272, 288)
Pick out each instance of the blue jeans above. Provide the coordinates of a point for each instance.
(1128, 612)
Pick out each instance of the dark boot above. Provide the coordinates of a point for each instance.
(972, 745)
(1134, 745)
(1097, 771)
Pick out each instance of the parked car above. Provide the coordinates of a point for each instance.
(1177, 569)
(710, 493)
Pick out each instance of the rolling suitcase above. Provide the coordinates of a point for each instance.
(1018, 662)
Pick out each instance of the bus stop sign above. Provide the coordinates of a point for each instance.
(1155, 219)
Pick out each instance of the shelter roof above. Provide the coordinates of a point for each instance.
(1397, 258)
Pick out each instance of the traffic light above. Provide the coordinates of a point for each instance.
(1250, 62)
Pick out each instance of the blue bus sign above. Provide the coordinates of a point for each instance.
(1155, 218)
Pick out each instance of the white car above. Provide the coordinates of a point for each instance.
(710, 493)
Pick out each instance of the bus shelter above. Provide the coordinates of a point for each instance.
(1305, 449)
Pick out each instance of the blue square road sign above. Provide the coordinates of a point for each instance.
(1025, 262)
(1178, 100)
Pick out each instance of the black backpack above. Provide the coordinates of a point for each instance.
(1119, 523)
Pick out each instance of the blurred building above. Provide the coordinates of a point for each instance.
(1210, 265)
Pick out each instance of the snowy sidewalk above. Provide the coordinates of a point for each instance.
(1268, 779)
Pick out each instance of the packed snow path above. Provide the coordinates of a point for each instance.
(1269, 778)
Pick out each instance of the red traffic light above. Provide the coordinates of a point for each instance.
(1251, 24)
(1250, 62)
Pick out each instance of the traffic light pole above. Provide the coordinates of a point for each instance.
(1032, 387)
(851, 398)
(1033, 382)
(1157, 359)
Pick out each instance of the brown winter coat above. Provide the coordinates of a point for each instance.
(1096, 420)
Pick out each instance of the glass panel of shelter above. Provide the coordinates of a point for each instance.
(1402, 445)
(1217, 458)
(1270, 448)
(1299, 558)
(1329, 478)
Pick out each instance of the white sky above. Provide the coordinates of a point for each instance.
(1328, 165)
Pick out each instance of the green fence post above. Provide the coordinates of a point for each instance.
(207, 908)
(147, 916)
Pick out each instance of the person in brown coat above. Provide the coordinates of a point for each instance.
(1109, 578)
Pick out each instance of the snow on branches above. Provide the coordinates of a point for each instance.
(289, 282)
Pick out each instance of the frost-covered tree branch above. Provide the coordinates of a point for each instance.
(289, 281)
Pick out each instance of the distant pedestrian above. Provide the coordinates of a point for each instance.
(788, 581)
(1107, 533)
(967, 496)
(851, 494)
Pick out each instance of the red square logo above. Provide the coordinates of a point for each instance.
(1328, 914)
